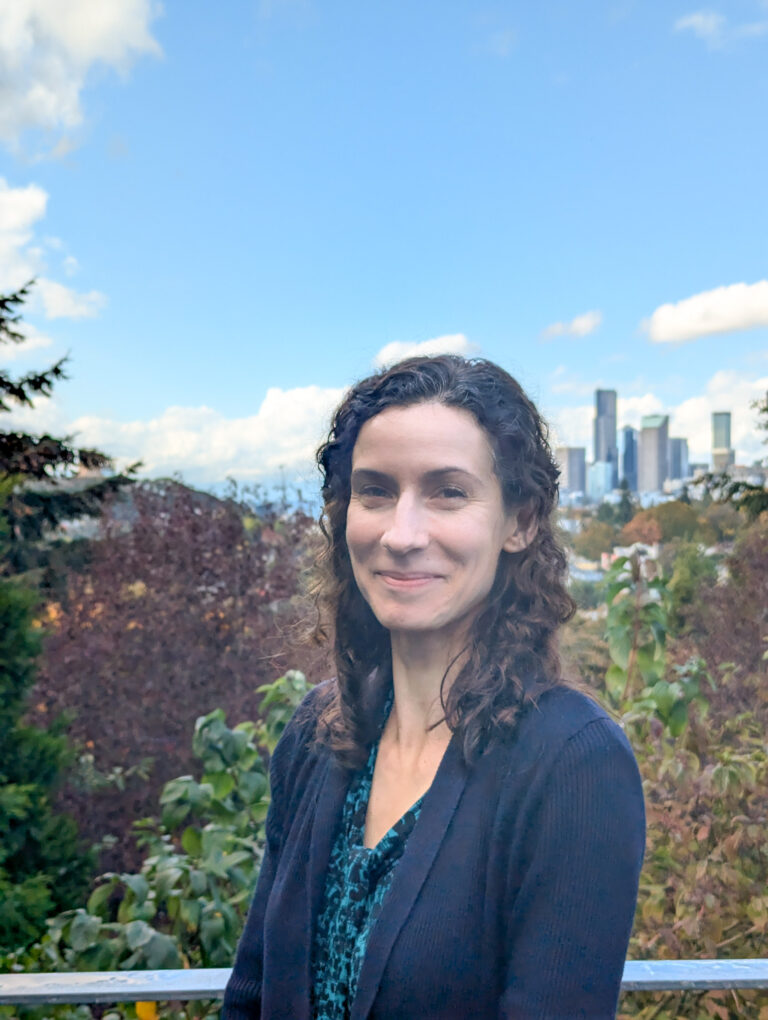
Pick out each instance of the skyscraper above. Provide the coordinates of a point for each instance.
(605, 430)
(721, 430)
(653, 453)
(629, 457)
(678, 457)
(573, 468)
(722, 453)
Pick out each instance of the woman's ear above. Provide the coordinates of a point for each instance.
(522, 532)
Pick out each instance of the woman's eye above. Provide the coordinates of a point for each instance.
(372, 492)
(451, 492)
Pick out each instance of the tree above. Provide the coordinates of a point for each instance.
(38, 472)
(597, 537)
(41, 866)
(188, 603)
(750, 498)
(643, 527)
(676, 520)
(692, 571)
(626, 508)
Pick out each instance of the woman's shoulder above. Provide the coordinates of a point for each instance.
(565, 721)
(297, 738)
(562, 711)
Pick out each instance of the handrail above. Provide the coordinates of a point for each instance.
(208, 983)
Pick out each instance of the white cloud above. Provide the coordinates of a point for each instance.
(451, 343)
(33, 341)
(714, 30)
(726, 391)
(706, 25)
(20, 209)
(722, 310)
(21, 258)
(48, 47)
(62, 302)
(201, 442)
(581, 325)
(691, 418)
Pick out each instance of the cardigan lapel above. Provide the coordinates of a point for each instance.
(309, 883)
(438, 809)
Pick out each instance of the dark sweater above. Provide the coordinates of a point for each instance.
(514, 897)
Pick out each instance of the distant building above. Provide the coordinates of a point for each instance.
(628, 462)
(678, 458)
(573, 468)
(600, 479)
(653, 453)
(605, 448)
(723, 455)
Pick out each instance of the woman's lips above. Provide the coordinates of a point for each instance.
(398, 579)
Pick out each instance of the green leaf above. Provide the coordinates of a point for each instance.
(138, 886)
(678, 718)
(137, 934)
(99, 897)
(83, 931)
(615, 680)
(222, 783)
(161, 953)
(252, 786)
(663, 698)
(191, 841)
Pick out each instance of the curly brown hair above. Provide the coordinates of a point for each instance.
(511, 655)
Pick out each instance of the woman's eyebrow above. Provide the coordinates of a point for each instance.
(362, 475)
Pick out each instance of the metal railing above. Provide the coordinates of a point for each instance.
(184, 985)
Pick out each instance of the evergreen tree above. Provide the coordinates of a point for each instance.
(37, 471)
(42, 869)
(626, 508)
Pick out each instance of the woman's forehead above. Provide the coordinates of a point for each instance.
(427, 436)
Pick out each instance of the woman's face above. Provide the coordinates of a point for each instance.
(426, 523)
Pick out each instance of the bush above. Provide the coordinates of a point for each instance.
(186, 905)
(42, 868)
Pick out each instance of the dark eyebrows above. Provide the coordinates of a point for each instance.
(361, 476)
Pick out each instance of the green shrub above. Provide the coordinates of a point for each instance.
(186, 905)
(42, 868)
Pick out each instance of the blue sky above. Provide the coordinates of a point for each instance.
(235, 211)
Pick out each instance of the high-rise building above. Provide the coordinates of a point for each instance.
(722, 452)
(606, 449)
(573, 468)
(628, 468)
(653, 453)
(678, 457)
(721, 430)
(599, 480)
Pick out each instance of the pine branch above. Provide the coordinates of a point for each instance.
(34, 384)
(9, 316)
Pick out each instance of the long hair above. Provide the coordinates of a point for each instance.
(512, 652)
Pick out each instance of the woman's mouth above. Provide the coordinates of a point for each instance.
(406, 579)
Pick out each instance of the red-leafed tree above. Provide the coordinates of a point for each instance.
(189, 604)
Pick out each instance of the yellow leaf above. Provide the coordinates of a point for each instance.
(146, 1010)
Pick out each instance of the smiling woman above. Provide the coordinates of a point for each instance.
(454, 830)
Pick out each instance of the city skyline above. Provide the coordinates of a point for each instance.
(647, 459)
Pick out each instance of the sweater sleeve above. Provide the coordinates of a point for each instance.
(242, 996)
(571, 904)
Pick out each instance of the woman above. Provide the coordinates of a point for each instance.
(454, 831)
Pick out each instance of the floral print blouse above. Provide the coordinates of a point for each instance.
(356, 884)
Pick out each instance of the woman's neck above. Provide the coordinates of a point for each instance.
(419, 666)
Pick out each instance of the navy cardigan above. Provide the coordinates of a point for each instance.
(514, 897)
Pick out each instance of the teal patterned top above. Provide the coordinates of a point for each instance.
(356, 885)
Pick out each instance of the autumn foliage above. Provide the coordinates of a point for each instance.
(188, 605)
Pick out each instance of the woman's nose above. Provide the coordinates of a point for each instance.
(407, 526)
